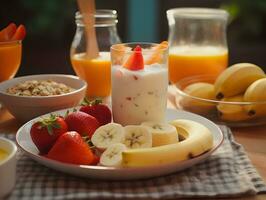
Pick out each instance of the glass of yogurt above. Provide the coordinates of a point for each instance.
(139, 82)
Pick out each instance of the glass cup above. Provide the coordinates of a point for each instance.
(139, 92)
(96, 71)
(10, 58)
(197, 39)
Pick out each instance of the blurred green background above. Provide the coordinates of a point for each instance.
(51, 27)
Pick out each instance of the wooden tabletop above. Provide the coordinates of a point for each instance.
(252, 138)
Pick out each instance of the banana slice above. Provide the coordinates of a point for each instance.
(112, 156)
(108, 134)
(137, 137)
(162, 133)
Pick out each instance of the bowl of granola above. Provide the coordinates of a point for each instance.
(30, 96)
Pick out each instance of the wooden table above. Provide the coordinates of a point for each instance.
(253, 139)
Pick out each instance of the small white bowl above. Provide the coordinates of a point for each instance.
(25, 108)
(7, 167)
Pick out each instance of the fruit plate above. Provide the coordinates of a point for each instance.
(114, 173)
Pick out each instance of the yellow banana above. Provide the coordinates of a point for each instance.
(197, 140)
(236, 79)
(256, 92)
(232, 112)
(200, 90)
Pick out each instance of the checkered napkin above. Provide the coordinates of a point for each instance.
(226, 173)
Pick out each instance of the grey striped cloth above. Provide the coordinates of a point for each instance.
(226, 173)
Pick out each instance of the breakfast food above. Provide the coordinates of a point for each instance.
(237, 95)
(77, 139)
(81, 122)
(139, 90)
(107, 135)
(3, 154)
(46, 131)
(71, 148)
(256, 93)
(39, 88)
(197, 140)
(112, 156)
(98, 110)
(200, 90)
(12, 33)
(236, 79)
(137, 137)
(162, 133)
(232, 112)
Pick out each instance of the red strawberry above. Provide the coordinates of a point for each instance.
(71, 148)
(98, 110)
(81, 122)
(45, 132)
(135, 61)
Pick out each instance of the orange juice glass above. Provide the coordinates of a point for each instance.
(198, 45)
(10, 58)
(96, 70)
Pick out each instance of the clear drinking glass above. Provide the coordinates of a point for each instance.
(97, 71)
(139, 89)
(197, 39)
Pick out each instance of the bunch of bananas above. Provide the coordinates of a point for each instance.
(242, 82)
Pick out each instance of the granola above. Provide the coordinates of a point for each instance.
(39, 88)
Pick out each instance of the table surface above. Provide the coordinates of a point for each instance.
(252, 138)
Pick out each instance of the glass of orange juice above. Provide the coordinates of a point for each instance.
(10, 58)
(198, 45)
(95, 71)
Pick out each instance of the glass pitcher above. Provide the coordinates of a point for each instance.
(198, 45)
(97, 71)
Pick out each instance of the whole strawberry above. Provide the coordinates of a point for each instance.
(97, 109)
(81, 122)
(71, 148)
(45, 132)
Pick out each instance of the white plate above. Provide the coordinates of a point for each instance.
(99, 172)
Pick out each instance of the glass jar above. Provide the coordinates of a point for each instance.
(197, 39)
(95, 71)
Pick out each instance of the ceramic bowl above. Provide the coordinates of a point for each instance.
(7, 167)
(25, 108)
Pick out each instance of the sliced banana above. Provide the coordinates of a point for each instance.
(137, 137)
(108, 134)
(162, 133)
(112, 156)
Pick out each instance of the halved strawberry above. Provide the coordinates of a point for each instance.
(7, 33)
(135, 61)
(20, 33)
(81, 122)
(71, 148)
(98, 110)
(45, 132)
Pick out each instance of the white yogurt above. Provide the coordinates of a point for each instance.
(139, 96)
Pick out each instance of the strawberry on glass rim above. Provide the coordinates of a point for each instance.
(135, 61)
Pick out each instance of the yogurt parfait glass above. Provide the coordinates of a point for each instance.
(139, 75)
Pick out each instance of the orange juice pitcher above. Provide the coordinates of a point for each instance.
(198, 45)
(95, 71)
